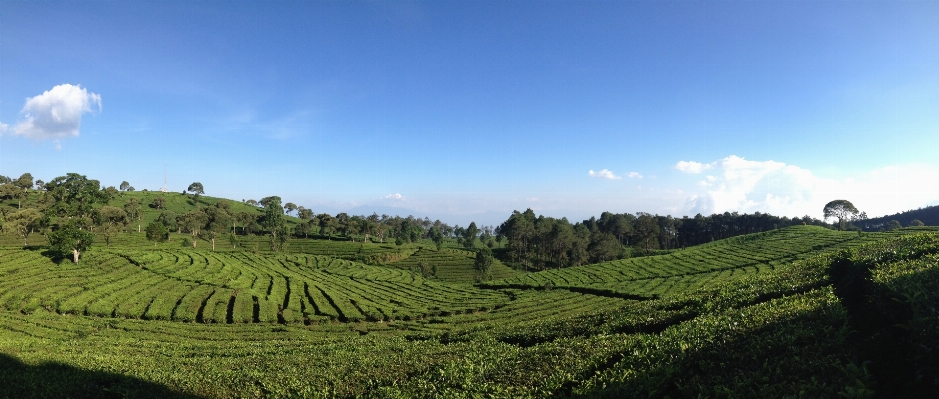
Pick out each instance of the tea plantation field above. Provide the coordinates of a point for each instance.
(797, 312)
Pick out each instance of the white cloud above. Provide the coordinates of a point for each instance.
(604, 174)
(634, 175)
(788, 190)
(56, 113)
(394, 196)
(692, 166)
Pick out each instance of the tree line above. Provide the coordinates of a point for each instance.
(540, 242)
(74, 209)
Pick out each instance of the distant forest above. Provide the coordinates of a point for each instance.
(525, 240)
(928, 215)
(539, 242)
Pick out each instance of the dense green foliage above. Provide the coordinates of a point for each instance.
(174, 322)
(800, 311)
(928, 215)
(540, 243)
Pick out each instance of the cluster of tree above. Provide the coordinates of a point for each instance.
(16, 189)
(74, 208)
(928, 216)
(540, 242)
(69, 203)
(374, 227)
(849, 218)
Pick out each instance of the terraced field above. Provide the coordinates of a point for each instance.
(455, 265)
(694, 268)
(202, 286)
(757, 316)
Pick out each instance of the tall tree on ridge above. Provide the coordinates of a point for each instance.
(843, 210)
(290, 207)
(196, 189)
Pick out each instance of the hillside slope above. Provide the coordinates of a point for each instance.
(821, 314)
(696, 267)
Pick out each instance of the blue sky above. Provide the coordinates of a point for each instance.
(468, 110)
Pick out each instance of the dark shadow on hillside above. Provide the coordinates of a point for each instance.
(799, 357)
(56, 380)
(902, 359)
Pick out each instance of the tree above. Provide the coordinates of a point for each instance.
(196, 189)
(111, 192)
(158, 203)
(327, 224)
(75, 195)
(379, 229)
(343, 224)
(218, 222)
(916, 223)
(25, 182)
(193, 222)
(157, 232)
(124, 185)
(469, 235)
(168, 219)
(11, 191)
(893, 225)
(132, 208)
(843, 210)
(366, 226)
(111, 220)
(437, 237)
(305, 214)
(647, 232)
(23, 223)
(249, 222)
(483, 264)
(290, 207)
(251, 202)
(274, 223)
(304, 228)
(71, 239)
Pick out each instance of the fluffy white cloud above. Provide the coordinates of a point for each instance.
(787, 190)
(692, 166)
(56, 113)
(634, 175)
(604, 174)
(394, 196)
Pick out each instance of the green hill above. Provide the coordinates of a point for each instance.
(796, 312)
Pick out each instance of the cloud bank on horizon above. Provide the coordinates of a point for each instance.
(735, 184)
(56, 113)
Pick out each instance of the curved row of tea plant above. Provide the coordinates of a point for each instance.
(450, 264)
(692, 268)
(202, 286)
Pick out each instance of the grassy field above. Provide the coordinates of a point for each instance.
(797, 312)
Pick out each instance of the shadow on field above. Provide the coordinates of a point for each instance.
(56, 380)
(799, 357)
